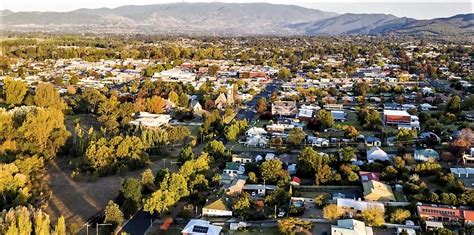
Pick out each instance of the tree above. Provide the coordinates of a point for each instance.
(173, 97)
(406, 134)
(284, 73)
(60, 227)
(373, 216)
(213, 69)
(216, 149)
(113, 214)
(252, 178)
(14, 91)
(178, 134)
(46, 96)
(399, 216)
(272, 170)
(323, 174)
(296, 136)
(242, 204)
(324, 119)
(41, 223)
(350, 132)
(261, 106)
(132, 189)
(454, 104)
(309, 161)
(155, 104)
(292, 225)
(186, 154)
(332, 212)
(148, 178)
(346, 154)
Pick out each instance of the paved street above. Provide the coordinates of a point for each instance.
(250, 112)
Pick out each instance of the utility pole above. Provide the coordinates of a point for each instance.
(87, 228)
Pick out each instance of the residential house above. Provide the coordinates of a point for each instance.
(150, 120)
(196, 107)
(468, 157)
(233, 168)
(367, 176)
(201, 227)
(468, 218)
(440, 213)
(305, 114)
(373, 141)
(236, 186)
(318, 142)
(284, 108)
(338, 115)
(376, 153)
(242, 158)
(253, 131)
(400, 118)
(350, 227)
(378, 191)
(258, 189)
(426, 155)
(352, 207)
(217, 207)
(279, 127)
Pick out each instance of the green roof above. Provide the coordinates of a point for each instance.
(232, 166)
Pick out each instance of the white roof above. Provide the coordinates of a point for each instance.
(350, 227)
(358, 205)
(376, 153)
(461, 170)
(395, 112)
(198, 227)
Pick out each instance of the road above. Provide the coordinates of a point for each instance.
(250, 112)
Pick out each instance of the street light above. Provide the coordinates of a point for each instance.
(97, 227)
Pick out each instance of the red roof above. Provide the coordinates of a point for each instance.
(441, 211)
(368, 176)
(296, 180)
(468, 215)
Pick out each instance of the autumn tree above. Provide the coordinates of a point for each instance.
(332, 212)
(48, 97)
(155, 104)
(324, 119)
(296, 136)
(261, 106)
(113, 214)
(399, 216)
(454, 104)
(373, 216)
(14, 91)
(272, 170)
(293, 225)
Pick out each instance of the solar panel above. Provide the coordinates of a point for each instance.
(200, 229)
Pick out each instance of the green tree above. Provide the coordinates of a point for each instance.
(406, 134)
(178, 134)
(296, 136)
(132, 189)
(242, 204)
(272, 170)
(14, 91)
(332, 212)
(252, 178)
(284, 73)
(309, 161)
(216, 149)
(454, 104)
(324, 119)
(323, 175)
(113, 214)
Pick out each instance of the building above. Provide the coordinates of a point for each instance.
(373, 141)
(217, 208)
(436, 213)
(236, 186)
(338, 115)
(350, 227)
(426, 155)
(376, 153)
(233, 168)
(400, 118)
(150, 120)
(352, 207)
(284, 108)
(367, 176)
(377, 191)
(305, 114)
(201, 227)
(175, 75)
(242, 158)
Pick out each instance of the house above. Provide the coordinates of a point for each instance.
(217, 207)
(438, 213)
(201, 227)
(284, 108)
(468, 157)
(256, 141)
(150, 120)
(279, 127)
(258, 189)
(468, 217)
(195, 106)
(377, 191)
(426, 155)
(367, 176)
(295, 181)
(350, 227)
(333, 107)
(233, 168)
(376, 153)
(242, 158)
(352, 207)
(373, 141)
(305, 114)
(405, 231)
(400, 118)
(255, 131)
(338, 115)
(236, 186)
(318, 142)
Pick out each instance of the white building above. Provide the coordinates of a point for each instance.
(151, 120)
(377, 153)
(201, 227)
(350, 227)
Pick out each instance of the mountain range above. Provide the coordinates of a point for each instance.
(229, 19)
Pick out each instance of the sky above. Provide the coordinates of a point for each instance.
(418, 9)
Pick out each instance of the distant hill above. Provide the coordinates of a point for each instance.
(229, 19)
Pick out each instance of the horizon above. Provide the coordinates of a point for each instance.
(410, 9)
